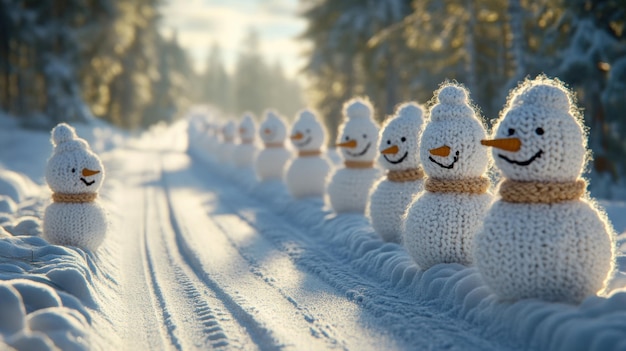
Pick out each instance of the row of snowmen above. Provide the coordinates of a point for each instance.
(536, 234)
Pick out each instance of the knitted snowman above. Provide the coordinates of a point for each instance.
(226, 149)
(306, 174)
(271, 161)
(246, 151)
(391, 195)
(441, 222)
(74, 174)
(543, 238)
(348, 188)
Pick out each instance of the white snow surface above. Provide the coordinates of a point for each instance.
(202, 256)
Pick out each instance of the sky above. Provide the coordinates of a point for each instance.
(199, 23)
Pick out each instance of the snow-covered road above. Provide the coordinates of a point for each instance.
(207, 265)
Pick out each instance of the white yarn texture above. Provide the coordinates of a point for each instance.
(440, 227)
(348, 188)
(270, 162)
(556, 252)
(306, 176)
(76, 224)
(388, 200)
(245, 152)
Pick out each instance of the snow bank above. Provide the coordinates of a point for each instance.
(458, 291)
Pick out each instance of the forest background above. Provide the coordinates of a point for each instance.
(74, 60)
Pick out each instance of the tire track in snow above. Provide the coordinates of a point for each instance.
(193, 315)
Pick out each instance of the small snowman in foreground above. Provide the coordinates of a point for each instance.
(348, 188)
(306, 174)
(441, 222)
(399, 148)
(246, 151)
(543, 238)
(226, 149)
(271, 161)
(74, 174)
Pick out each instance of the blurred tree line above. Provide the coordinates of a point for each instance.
(398, 50)
(69, 60)
(254, 85)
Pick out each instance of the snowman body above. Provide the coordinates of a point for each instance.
(74, 174)
(270, 163)
(77, 224)
(399, 153)
(442, 227)
(225, 152)
(442, 220)
(543, 238)
(348, 188)
(553, 251)
(305, 175)
(387, 206)
(245, 153)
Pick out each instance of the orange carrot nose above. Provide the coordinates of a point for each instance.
(350, 143)
(297, 136)
(507, 144)
(392, 150)
(443, 151)
(267, 131)
(88, 172)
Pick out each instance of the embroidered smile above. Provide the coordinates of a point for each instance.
(398, 161)
(360, 153)
(450, 166)
(522, 163)
(304, 143)
(86, 182)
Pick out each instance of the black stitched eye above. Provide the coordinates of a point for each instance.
(308, 131)
(511, 131)
(388, 142)
(364, 136)
(347, 138)
(403, 139)
(73, 170)
(539, 131)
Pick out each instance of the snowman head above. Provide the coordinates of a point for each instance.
(358, 134)
(450, 146)
(73, 168)
(308, 133)
(273, 129)
(399, 141)
(247, 128)
(228, 132)
(540, 136)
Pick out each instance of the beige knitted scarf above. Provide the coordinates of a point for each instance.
(541, 192)
(358, 164)
(466, 186)
(407, 175)
(306, 153)
(74, 198)
(247, 141)
(276, 145)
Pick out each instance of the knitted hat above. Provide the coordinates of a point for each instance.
(273, 129)
(539, 136)
(308, 133)
(399, 141)
(228, 131)
(247, 128)
(450, 145)
(73, 168)
(358, 134)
